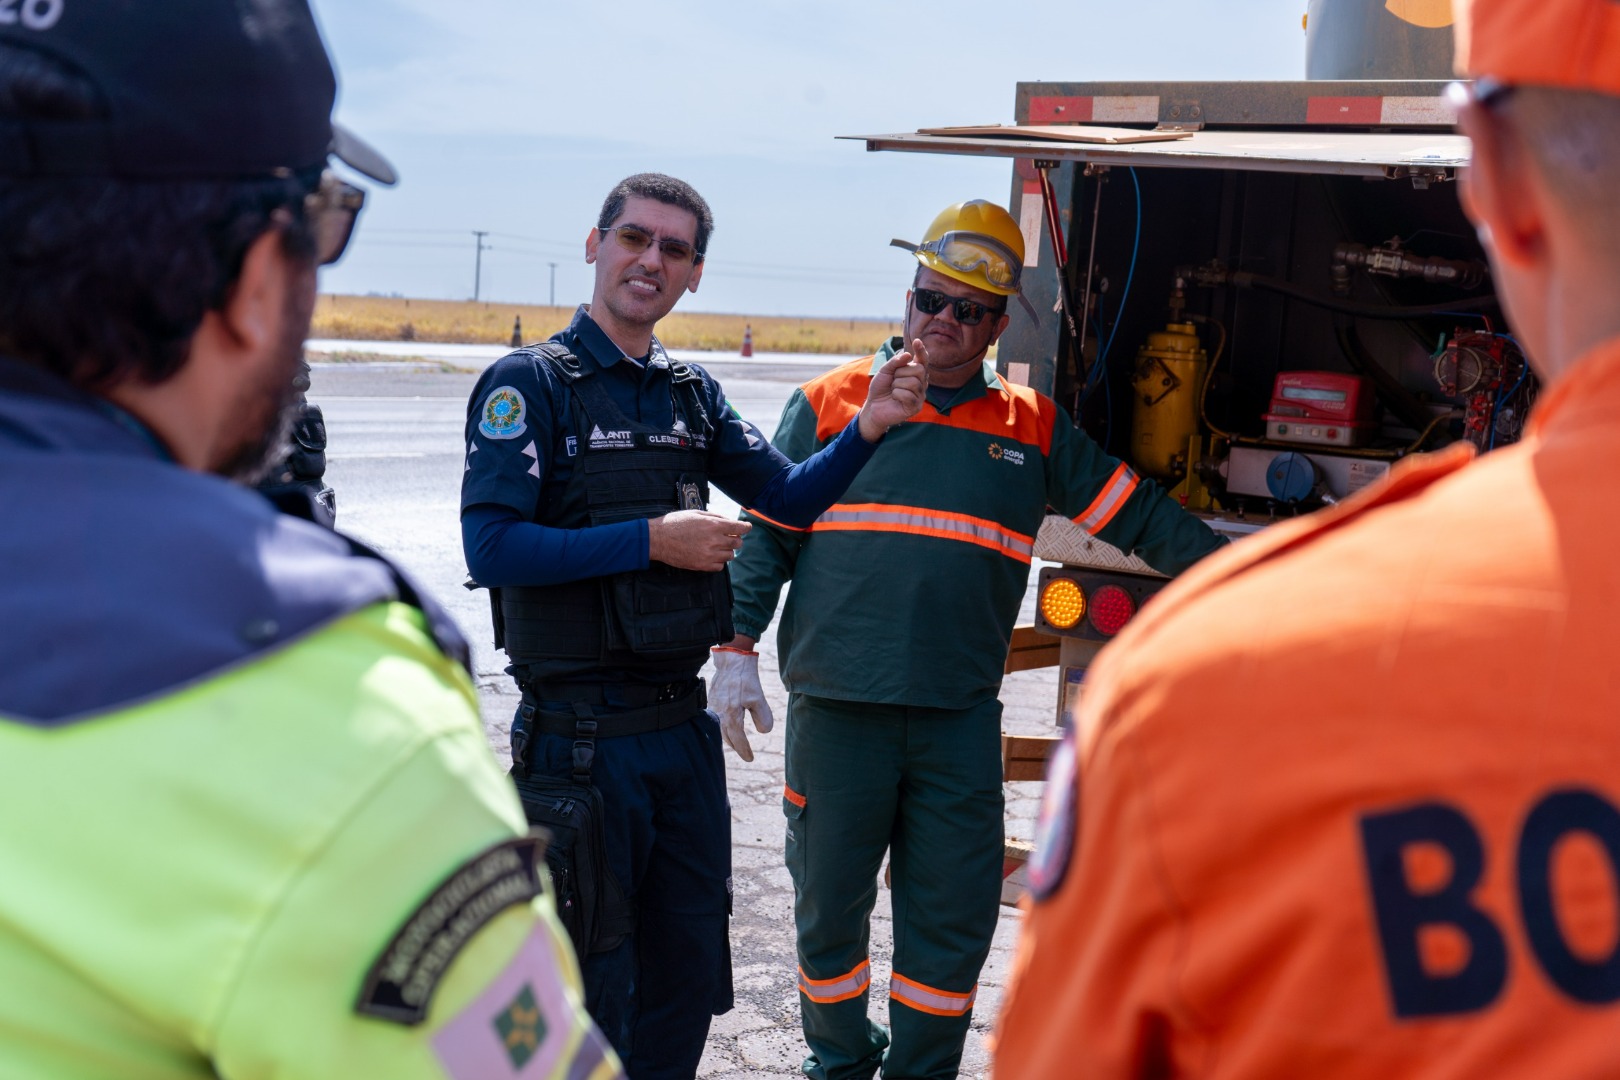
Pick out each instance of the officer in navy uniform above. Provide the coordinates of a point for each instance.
(589, 465)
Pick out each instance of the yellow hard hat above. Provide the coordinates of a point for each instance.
(977, 243)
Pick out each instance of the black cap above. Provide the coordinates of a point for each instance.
(190, 89)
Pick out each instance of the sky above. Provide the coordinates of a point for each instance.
(516, 117)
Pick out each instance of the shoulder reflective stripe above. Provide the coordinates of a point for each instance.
(844, 987)
(929, 1000)
(792, 796)
(919, 521)
(751, 512)
(1113, 496)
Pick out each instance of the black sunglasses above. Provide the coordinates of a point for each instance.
(967, 312)
(331, 211)
(636, 239)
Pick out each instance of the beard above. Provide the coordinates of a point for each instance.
(270, 405)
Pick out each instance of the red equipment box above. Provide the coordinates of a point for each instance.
(1322, 408)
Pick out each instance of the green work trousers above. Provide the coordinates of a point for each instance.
(924, 785)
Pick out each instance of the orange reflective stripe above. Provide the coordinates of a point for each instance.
(1114, 495)
(844, 987)
(751, 512)
(792, 796)
(919, 521)
(929, 1000)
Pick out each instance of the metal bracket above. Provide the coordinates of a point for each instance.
(1421, 178)
(1182, 116)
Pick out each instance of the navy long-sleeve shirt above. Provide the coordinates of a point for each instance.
(522, 446)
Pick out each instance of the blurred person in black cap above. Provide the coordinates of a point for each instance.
(255, 827)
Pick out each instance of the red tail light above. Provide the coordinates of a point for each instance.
(1111, 608)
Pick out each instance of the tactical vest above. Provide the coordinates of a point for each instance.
(662, 619)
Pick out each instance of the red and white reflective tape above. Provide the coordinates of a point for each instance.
(1380, 111)
(1113, 109)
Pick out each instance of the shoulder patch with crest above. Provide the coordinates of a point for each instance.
(503, 414)
(400, 985)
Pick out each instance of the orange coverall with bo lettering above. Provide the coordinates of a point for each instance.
(1348, 796)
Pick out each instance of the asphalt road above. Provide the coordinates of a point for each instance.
(396, 458)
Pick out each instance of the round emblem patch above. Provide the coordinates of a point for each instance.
(504, 411)
(1055, 827)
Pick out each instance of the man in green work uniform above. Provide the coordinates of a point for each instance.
(253, 825)
(893, 723)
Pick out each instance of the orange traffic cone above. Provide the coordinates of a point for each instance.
(748, 341)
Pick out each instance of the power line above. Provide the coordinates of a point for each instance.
(573, 247)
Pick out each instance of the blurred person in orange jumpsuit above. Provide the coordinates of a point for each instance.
(1414, 871)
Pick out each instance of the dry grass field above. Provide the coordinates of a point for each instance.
(381, 318)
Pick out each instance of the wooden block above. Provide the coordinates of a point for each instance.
(1014, 873)
(1023, 757)
(1031, 649)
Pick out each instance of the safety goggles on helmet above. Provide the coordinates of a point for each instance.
(969, 252)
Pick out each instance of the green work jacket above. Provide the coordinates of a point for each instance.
(906, 591)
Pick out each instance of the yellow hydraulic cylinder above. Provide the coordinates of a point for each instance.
(1169, 376)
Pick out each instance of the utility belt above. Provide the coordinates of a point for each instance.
(666, 706)
(590, 901)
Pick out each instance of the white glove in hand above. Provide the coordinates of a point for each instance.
(736, 689)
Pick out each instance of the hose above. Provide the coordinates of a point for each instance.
(1102, 356)
(1245, 280)
(1209, 376)
(1412, 446)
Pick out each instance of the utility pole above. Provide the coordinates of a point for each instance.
(478, 264)
(553, 283)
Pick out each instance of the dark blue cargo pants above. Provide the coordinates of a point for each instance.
(668, 836)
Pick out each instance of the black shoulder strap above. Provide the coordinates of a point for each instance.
(561, 360)
(589, 394)
(688, 393)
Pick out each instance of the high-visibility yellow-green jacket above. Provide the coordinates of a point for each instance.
(252, 827)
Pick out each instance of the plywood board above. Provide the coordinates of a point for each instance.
(1076, 133)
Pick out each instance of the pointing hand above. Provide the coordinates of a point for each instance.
(897, 392)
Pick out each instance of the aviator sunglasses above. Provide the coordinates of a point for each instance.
(635, 239)
(967, 312)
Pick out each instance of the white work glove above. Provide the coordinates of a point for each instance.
(736, 689)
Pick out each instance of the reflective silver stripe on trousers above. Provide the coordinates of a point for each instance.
(997, 537)
(916, 995)
(1120, 486)
(853, 983)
